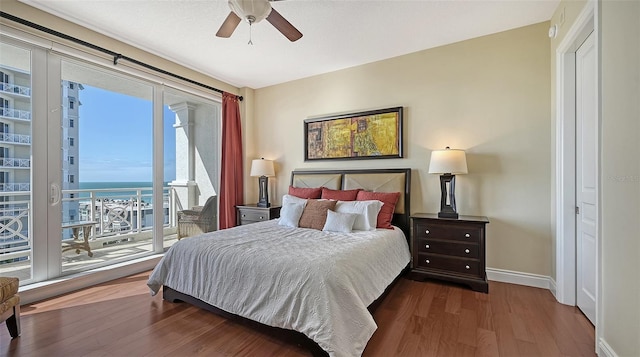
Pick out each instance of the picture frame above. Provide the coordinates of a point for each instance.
(373, 134)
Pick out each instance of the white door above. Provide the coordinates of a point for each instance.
(586, 178)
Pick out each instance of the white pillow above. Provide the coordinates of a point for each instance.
(339, 222)
(367, 213)
(290, 214)
(289, 198)
(291, 211)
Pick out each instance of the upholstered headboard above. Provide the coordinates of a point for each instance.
(376, 180)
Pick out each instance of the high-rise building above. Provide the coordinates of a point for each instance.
(15, 152)
(70, 147)
(15, 132)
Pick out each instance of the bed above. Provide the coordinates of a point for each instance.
(309, 286)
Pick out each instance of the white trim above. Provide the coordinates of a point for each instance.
(605, 350)
(46, 289)
(565, 157)
(553, 287)
(520, 278)
(565, 233)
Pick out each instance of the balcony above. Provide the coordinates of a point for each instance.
(15, 89)
(15, 138)
(15, 114)
(15, 187)
(15, 163)
(122, 229)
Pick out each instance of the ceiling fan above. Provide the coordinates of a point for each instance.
(254, 11)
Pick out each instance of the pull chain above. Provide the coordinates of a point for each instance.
(250, 42)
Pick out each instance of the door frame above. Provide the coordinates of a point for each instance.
(565, 161)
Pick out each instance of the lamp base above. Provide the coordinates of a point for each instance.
(448, 197)
(443, 214)
(263, 199)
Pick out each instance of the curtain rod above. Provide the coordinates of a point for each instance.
(116, 56)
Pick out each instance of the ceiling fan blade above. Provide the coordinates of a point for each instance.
(283, 26)
(229, 25)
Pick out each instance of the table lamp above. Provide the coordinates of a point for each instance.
(263, 169)
(448, 162)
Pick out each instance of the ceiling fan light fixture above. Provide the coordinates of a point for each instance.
(252, 11)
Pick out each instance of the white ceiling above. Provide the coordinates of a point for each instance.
(337, 34)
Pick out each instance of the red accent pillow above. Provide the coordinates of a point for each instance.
(305, 192)
(315, 213)
(389, 200)
(340, 195)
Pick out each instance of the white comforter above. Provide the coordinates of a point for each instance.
(318, 283)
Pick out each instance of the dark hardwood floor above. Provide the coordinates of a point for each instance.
(120, 318)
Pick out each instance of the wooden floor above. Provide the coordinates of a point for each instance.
(120, 318)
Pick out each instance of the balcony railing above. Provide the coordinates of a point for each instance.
(15, 138)
(14, 187)
(118, 211)
(15, 113)
(10, 162)
(14, 228)
(13, 88)
(121, 215)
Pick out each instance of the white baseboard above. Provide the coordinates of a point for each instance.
(604, 350)
(553, 287)
(47, 289)
(520, 278)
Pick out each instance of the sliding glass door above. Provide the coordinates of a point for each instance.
(192, 126)
(95, 161)
(16, 235)
(106, 155)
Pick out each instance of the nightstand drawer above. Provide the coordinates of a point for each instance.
(448, 264)
(246, 214)
(458, 249)
(464, 233)
(253, 216)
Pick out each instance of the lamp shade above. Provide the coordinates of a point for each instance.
(262, 167)
(448, 161)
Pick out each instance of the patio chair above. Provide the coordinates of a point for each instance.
(198, 220)
(10, 304)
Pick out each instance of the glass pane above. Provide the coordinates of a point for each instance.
(190, 161)
(107, 137)
(15, 162)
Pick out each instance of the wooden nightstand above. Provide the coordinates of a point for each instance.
(246, 214)
(449, 249)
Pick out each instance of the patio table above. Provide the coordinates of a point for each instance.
(77, 227)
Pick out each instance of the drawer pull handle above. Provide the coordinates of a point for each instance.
(244, 215)
(427, 246)
(427, 261)
(466, 251)
(467, 235)
(426, 232)
(261, 217)
(467, 267)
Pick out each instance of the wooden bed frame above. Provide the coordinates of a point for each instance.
(380, 180)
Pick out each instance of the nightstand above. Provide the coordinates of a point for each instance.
(449, 249)
(246, 214)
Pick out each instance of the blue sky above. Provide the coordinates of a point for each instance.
(116, 138)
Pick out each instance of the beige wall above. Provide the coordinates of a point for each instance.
(620, 175)
(489, 96)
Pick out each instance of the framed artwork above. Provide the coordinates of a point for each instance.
(375, 134)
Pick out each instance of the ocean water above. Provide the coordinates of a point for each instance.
(125, 190)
